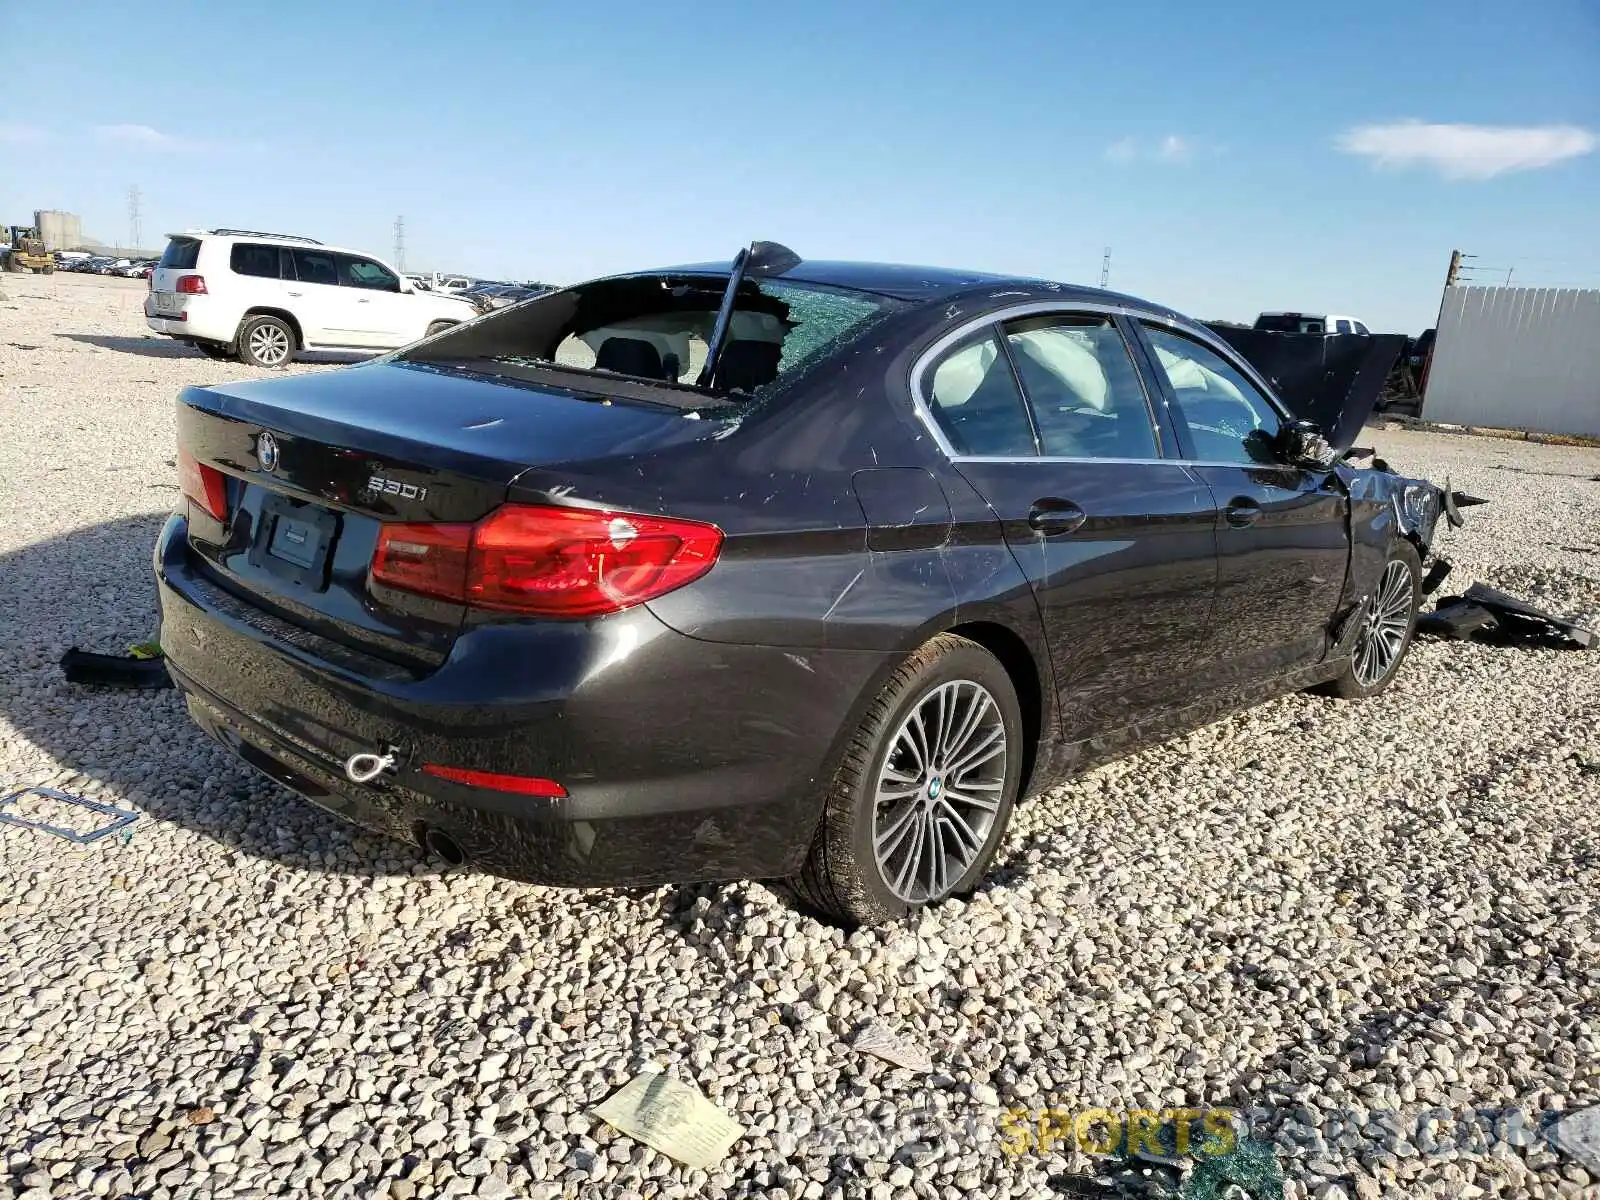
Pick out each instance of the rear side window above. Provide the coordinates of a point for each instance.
(1341, 326)
(315, 266)
(974, 398)
(181, 254)
(250, 258)
(1080, 379)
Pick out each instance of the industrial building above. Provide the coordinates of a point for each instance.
(60, 230)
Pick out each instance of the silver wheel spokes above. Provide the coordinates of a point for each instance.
(1388, 619)
(269, 344)
(939, 791)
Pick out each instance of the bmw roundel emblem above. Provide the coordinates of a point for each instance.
(267, 452)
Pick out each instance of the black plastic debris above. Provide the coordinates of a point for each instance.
(1454, 502)
(121, 818)
(116, 670)
(1490, 615)
(1436, 574)
(1456, 619)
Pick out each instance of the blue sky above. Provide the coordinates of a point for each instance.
(1234, 156)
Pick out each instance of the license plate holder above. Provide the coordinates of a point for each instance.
(294, 541)
(167, 303)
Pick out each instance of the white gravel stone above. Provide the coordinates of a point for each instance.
(1332, 906)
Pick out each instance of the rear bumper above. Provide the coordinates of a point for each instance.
(683, 760)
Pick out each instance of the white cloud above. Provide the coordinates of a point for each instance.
(15, 133)
(1172, 148)
(1175, 149)
(1467, 151)
(142, 137)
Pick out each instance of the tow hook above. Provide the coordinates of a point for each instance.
(364, 768)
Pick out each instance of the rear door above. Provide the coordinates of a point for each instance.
(257, 272)
(1282, 532)
(1048, 419)
(328, 313)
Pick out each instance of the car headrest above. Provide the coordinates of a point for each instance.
(630, 356)
(747, 364)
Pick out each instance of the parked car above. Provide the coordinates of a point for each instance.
(264, 297)
(913, 543)
(489, 296)
(1296, 322)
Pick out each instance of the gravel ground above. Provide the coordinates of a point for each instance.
(1335, 908)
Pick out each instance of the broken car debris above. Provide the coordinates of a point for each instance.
(142, 667)
(1493, 616)
(121, 818)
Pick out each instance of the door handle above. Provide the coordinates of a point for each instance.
(362, 300)
(1242, 512)
(296, 293)
(1052, 516)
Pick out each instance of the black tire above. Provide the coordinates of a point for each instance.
(1357, 680)
(842, 876)
(266, 341)
(214, 349)
(439, 327)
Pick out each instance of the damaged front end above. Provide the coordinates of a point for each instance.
(1385, 506)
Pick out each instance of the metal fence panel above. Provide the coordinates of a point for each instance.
(1517, 358)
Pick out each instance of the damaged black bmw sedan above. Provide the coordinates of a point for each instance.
(777, 569)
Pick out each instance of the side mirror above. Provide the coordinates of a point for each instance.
(1303, 444)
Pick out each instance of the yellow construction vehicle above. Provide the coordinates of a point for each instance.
(27, 251)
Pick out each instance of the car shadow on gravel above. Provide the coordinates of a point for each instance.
(94, 588)
(149, 347)
(163, 347)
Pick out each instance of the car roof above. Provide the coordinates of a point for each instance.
(918, 284)
(271, 239)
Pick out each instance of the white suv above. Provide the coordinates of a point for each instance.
(264, 296)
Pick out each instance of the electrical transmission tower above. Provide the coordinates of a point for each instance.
(400, 243)
(135, 227)
(1105, 268)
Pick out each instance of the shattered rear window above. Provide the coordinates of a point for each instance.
(657, 329)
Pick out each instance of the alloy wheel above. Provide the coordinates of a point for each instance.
(1388, 620)
(269, 344)
(939, 791)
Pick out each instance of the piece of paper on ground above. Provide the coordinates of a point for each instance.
(671, 1117)
(882, 1042)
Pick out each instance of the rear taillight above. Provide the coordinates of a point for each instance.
(190, 285)
(430, 560)
(204, 485)
(547, 562)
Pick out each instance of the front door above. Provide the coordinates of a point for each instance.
(1283, 536)
(381, 309)
(1046, 417)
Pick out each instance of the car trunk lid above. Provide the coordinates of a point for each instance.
(314, 465)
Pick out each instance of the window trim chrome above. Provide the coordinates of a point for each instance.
(1035, 308)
